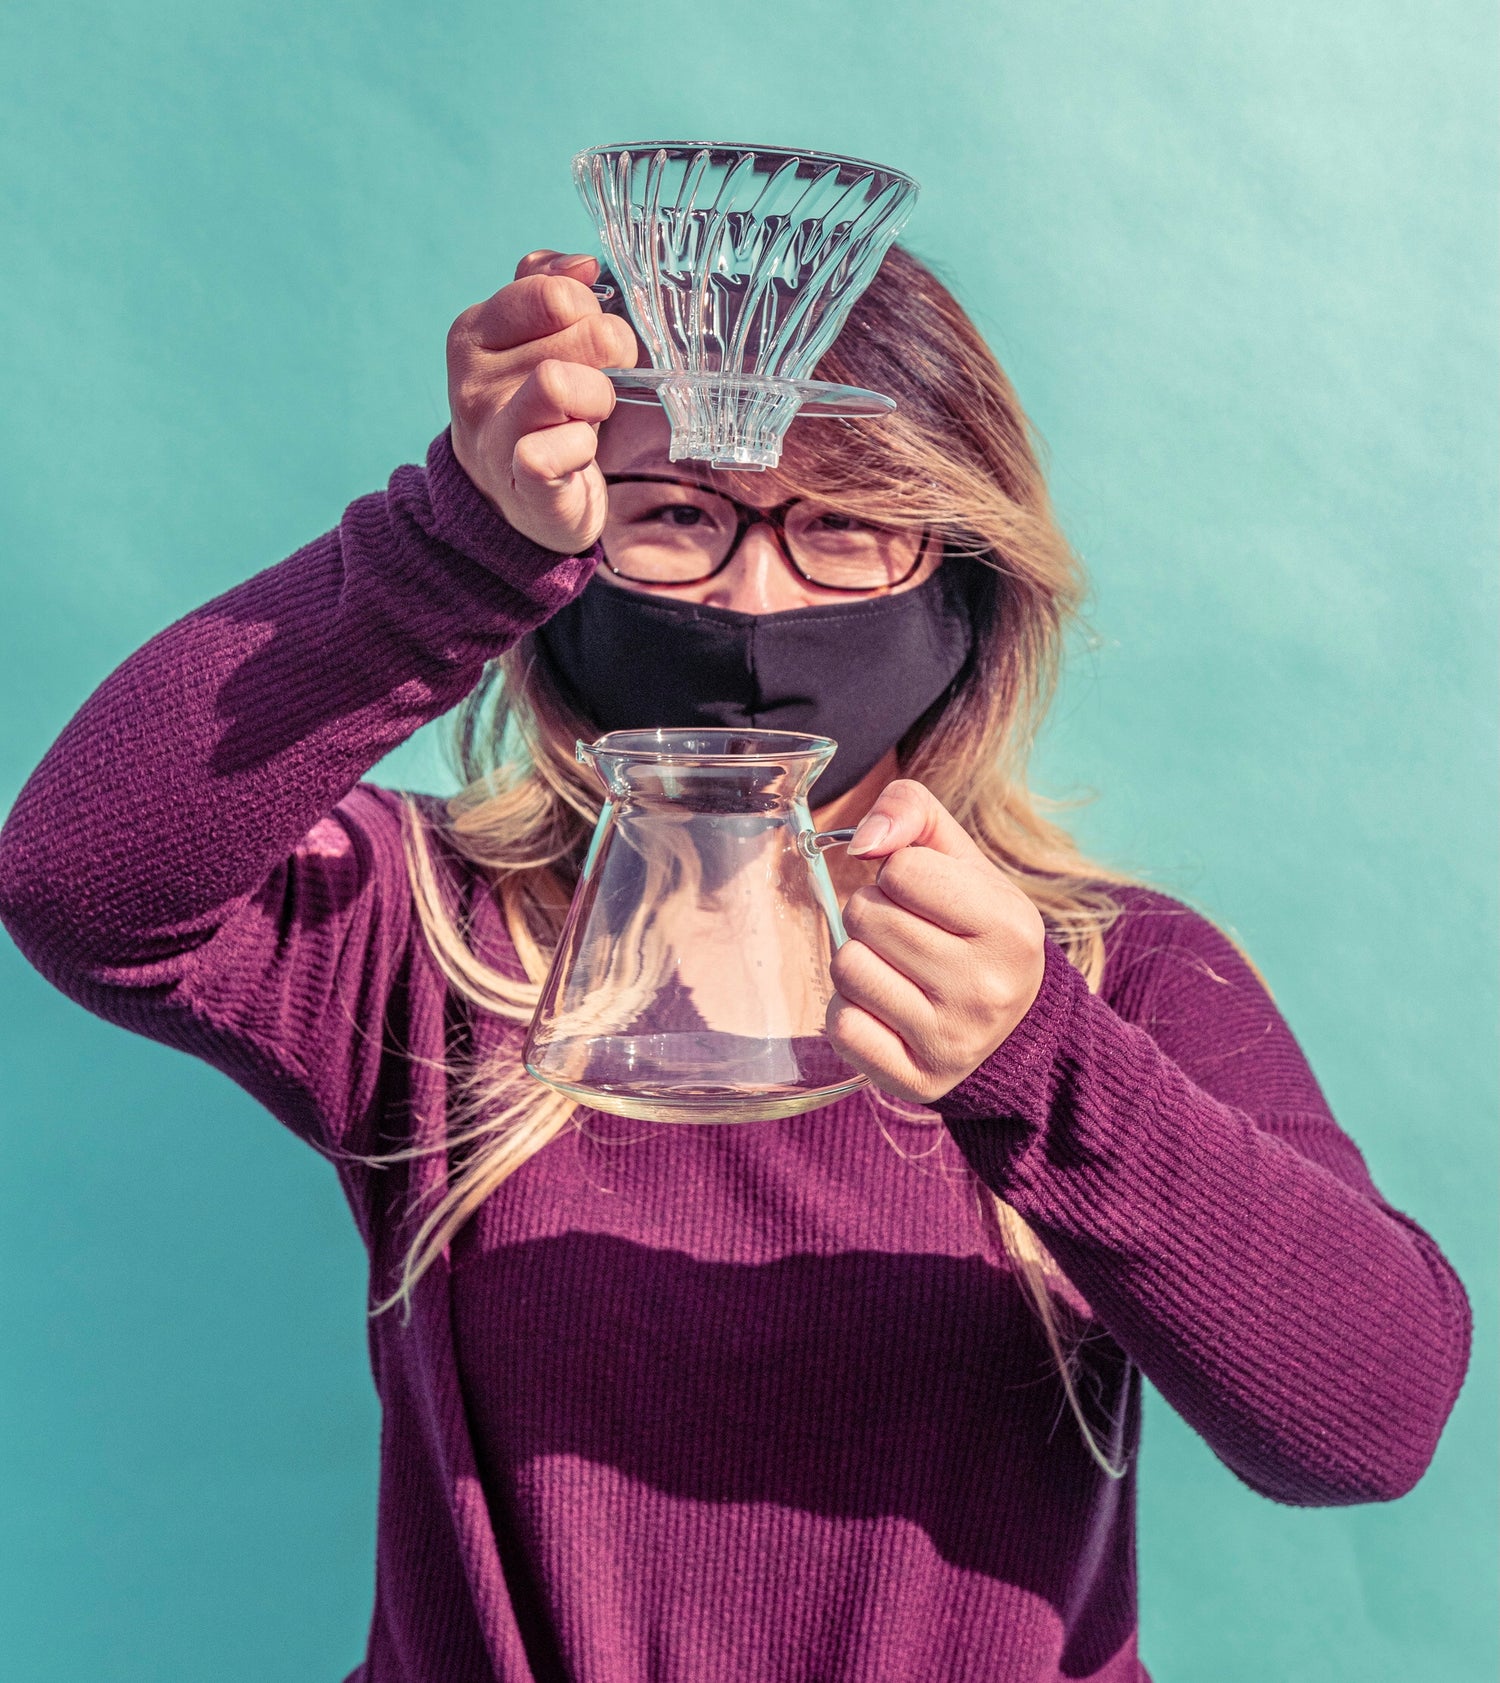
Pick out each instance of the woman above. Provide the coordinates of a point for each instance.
(853, 1395)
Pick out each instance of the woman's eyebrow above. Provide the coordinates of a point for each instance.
(649, 459)
(678, 473)
(673, 474)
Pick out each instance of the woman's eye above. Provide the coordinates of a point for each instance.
(677, 514)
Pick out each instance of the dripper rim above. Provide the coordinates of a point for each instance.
(812, 153)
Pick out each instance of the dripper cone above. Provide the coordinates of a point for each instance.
(738, 266)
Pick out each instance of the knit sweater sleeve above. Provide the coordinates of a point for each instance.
(1184, 1170)
(193, 858)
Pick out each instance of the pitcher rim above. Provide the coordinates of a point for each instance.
(809, 746)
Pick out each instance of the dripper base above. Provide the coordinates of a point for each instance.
(738, 421)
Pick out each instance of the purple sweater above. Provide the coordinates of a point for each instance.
(759, 1402)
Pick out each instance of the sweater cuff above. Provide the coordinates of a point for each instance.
(467, 521)
(1008, 1100)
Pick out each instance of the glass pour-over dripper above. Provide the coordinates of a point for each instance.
(739, 265)
(691, 979)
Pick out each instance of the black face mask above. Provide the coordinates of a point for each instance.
(861, 672)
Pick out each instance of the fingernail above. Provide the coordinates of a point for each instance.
(572, 262)
(871, 833)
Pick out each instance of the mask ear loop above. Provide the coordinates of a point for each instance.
(812, 843)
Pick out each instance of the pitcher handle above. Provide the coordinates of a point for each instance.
(813, 843)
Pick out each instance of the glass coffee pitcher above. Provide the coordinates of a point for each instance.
(691, 979)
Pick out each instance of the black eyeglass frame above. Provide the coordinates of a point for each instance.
(747, 517)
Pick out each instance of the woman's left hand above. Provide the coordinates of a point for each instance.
(944, 957)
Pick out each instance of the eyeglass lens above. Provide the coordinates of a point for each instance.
(678, 533)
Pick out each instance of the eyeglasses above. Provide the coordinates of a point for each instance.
(668, 531)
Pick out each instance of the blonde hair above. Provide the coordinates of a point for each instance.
(958, 456)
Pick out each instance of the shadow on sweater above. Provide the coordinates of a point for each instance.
(858, 1386)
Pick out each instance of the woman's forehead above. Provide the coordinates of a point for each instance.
(637, 438)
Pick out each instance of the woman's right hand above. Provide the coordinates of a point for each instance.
(527, 397)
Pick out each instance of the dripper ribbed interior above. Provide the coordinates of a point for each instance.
(738, 266)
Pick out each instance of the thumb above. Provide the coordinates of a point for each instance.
(908, 814)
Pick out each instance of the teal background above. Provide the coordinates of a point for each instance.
(1240, 261)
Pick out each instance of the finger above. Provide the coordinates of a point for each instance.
(597, 340)
(555, 393)
(864, 978)
(875, 1050)
(926, 955)
(908, 814)
(545, 262)
(602, 341)
(534, 307)
(945, 891)
(550, 457)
